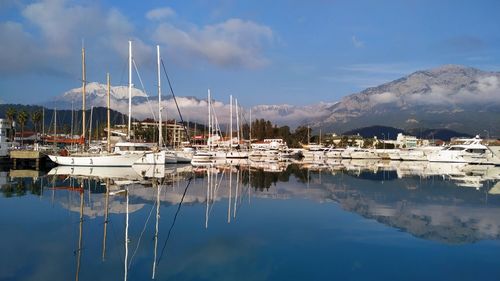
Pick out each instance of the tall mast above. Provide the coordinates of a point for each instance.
(209, 142)
(43, 121)
(129, 87)
(84, 78)
(237, 121)
(90, 129)
(250, 133)
(109, 113)
(55, 124)
(160, 135)
(230, 196)
(72, 122)
(231, 122)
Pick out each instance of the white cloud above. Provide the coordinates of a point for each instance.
(193, 109)
(488, 84)
(234, 42)
(357, 43)
(54, 31)
(486, 90)
(60, 23)
(385, 97)
(160, 13)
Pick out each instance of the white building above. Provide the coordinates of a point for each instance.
(403, 141)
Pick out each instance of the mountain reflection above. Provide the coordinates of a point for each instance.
(448, 203)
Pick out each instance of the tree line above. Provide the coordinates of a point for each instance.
(260, 128)
(265, 129)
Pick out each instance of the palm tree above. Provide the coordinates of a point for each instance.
(22, 118)
(36, 119)
(11, 116)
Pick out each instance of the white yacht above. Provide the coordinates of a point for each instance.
(346, 153)
(334, 153)
(147, 152)
(470, 151)
(264, 155)
(203, 156)
(270, 144)
(389, 154)
(184, 155)
(361, 153)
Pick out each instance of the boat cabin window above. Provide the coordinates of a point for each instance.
(124, 148)
(477, 150)
(142, 148)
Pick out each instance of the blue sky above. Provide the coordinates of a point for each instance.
(262, 52)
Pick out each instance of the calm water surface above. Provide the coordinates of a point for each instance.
(336, 221)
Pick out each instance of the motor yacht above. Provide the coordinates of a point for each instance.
(469, 151)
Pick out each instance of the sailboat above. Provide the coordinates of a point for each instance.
(204, 156)
(89, 159)
(148, 154)
(170, 156)
(232, 153)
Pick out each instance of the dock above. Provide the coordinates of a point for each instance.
(27, 157)
(24, 174)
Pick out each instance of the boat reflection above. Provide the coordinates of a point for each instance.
(449, 203)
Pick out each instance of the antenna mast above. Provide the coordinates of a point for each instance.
(83, 94)
(129, 88)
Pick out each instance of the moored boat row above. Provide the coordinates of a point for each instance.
(470, 151)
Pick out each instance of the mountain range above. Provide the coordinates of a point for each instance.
(452, 97)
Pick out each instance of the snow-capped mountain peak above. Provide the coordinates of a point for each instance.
(95, 89)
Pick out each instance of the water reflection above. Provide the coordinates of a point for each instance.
(145, 207)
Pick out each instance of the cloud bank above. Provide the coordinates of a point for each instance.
(484, 90)
(234, 42)
(47, 35)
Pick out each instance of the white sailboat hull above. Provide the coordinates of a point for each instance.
(111, 160)
(170, 157)
(184, 156)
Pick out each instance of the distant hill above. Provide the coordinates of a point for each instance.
(441, 134)
(453, 97)
(381, 132)
(192, 108)
(384, 132)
